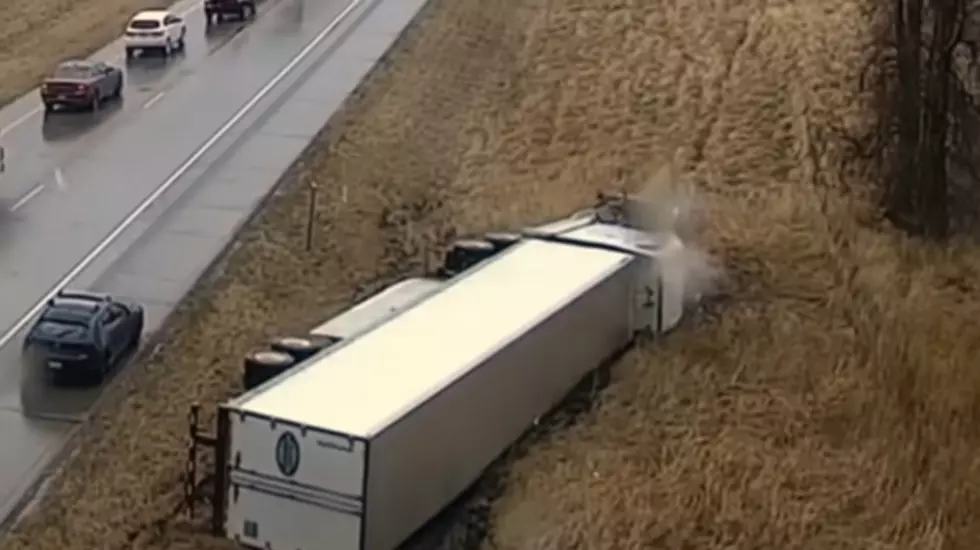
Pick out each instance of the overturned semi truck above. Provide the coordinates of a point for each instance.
(395, 407)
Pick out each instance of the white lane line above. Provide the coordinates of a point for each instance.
(23, 118)
(177, 174)
(27, 198)
(59, 179)
(149, 103)
(114, 59)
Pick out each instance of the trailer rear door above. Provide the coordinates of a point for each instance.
(293, 488)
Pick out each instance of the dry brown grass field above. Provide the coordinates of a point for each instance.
(832, 401)
(36, 34)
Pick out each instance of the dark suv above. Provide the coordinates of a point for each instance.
(216, 11)
(83, 335)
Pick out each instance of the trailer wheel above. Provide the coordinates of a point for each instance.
(500, 241)
(465, 254)
(260, 366)
(301, 348)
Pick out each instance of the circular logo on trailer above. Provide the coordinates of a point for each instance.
(287, 454)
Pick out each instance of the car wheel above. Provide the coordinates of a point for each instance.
(117, 91)
(96, 103)
(137, 334)
(103, 371)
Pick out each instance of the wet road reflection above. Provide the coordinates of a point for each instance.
(39, 144)
(41, 399)
(72, 176)
(290, 19)
(70, 125)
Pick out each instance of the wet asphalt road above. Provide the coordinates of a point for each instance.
(71, 178)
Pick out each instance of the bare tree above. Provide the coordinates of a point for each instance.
(928, 106)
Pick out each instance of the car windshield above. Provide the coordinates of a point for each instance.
(73, 71)
(144, 24)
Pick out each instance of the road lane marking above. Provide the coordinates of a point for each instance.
(23, 118)
(27, 198)
(59, 179)
(38, 109)
(149, 103)
(148, 202)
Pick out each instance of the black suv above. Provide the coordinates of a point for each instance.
(216, 11)
(83, 335)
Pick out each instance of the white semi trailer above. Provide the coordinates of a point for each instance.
(359, 446)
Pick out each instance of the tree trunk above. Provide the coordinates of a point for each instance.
(901, 200)
(917, 199)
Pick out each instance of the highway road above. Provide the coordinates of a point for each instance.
(74, 179)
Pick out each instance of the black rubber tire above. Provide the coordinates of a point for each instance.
(96, 103)
(260, 366)
(464, 254)
(301, 348)
(134, 344)
(103, 372)
(117, 91)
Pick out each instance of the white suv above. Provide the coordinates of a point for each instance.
(159, 30)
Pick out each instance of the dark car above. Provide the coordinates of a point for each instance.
(216, 11)
(83, 335)
(84, 84)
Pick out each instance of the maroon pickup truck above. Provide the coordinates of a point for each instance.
(83, 84)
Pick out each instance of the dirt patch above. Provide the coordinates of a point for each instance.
(831, 403)
(35, 35)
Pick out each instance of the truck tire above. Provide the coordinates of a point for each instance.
(263, 365)
(464, 254)
(301, 348)
(500, 241)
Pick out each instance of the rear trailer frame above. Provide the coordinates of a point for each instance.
(361, 445)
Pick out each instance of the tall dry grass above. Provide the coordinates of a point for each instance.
(832, 403)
